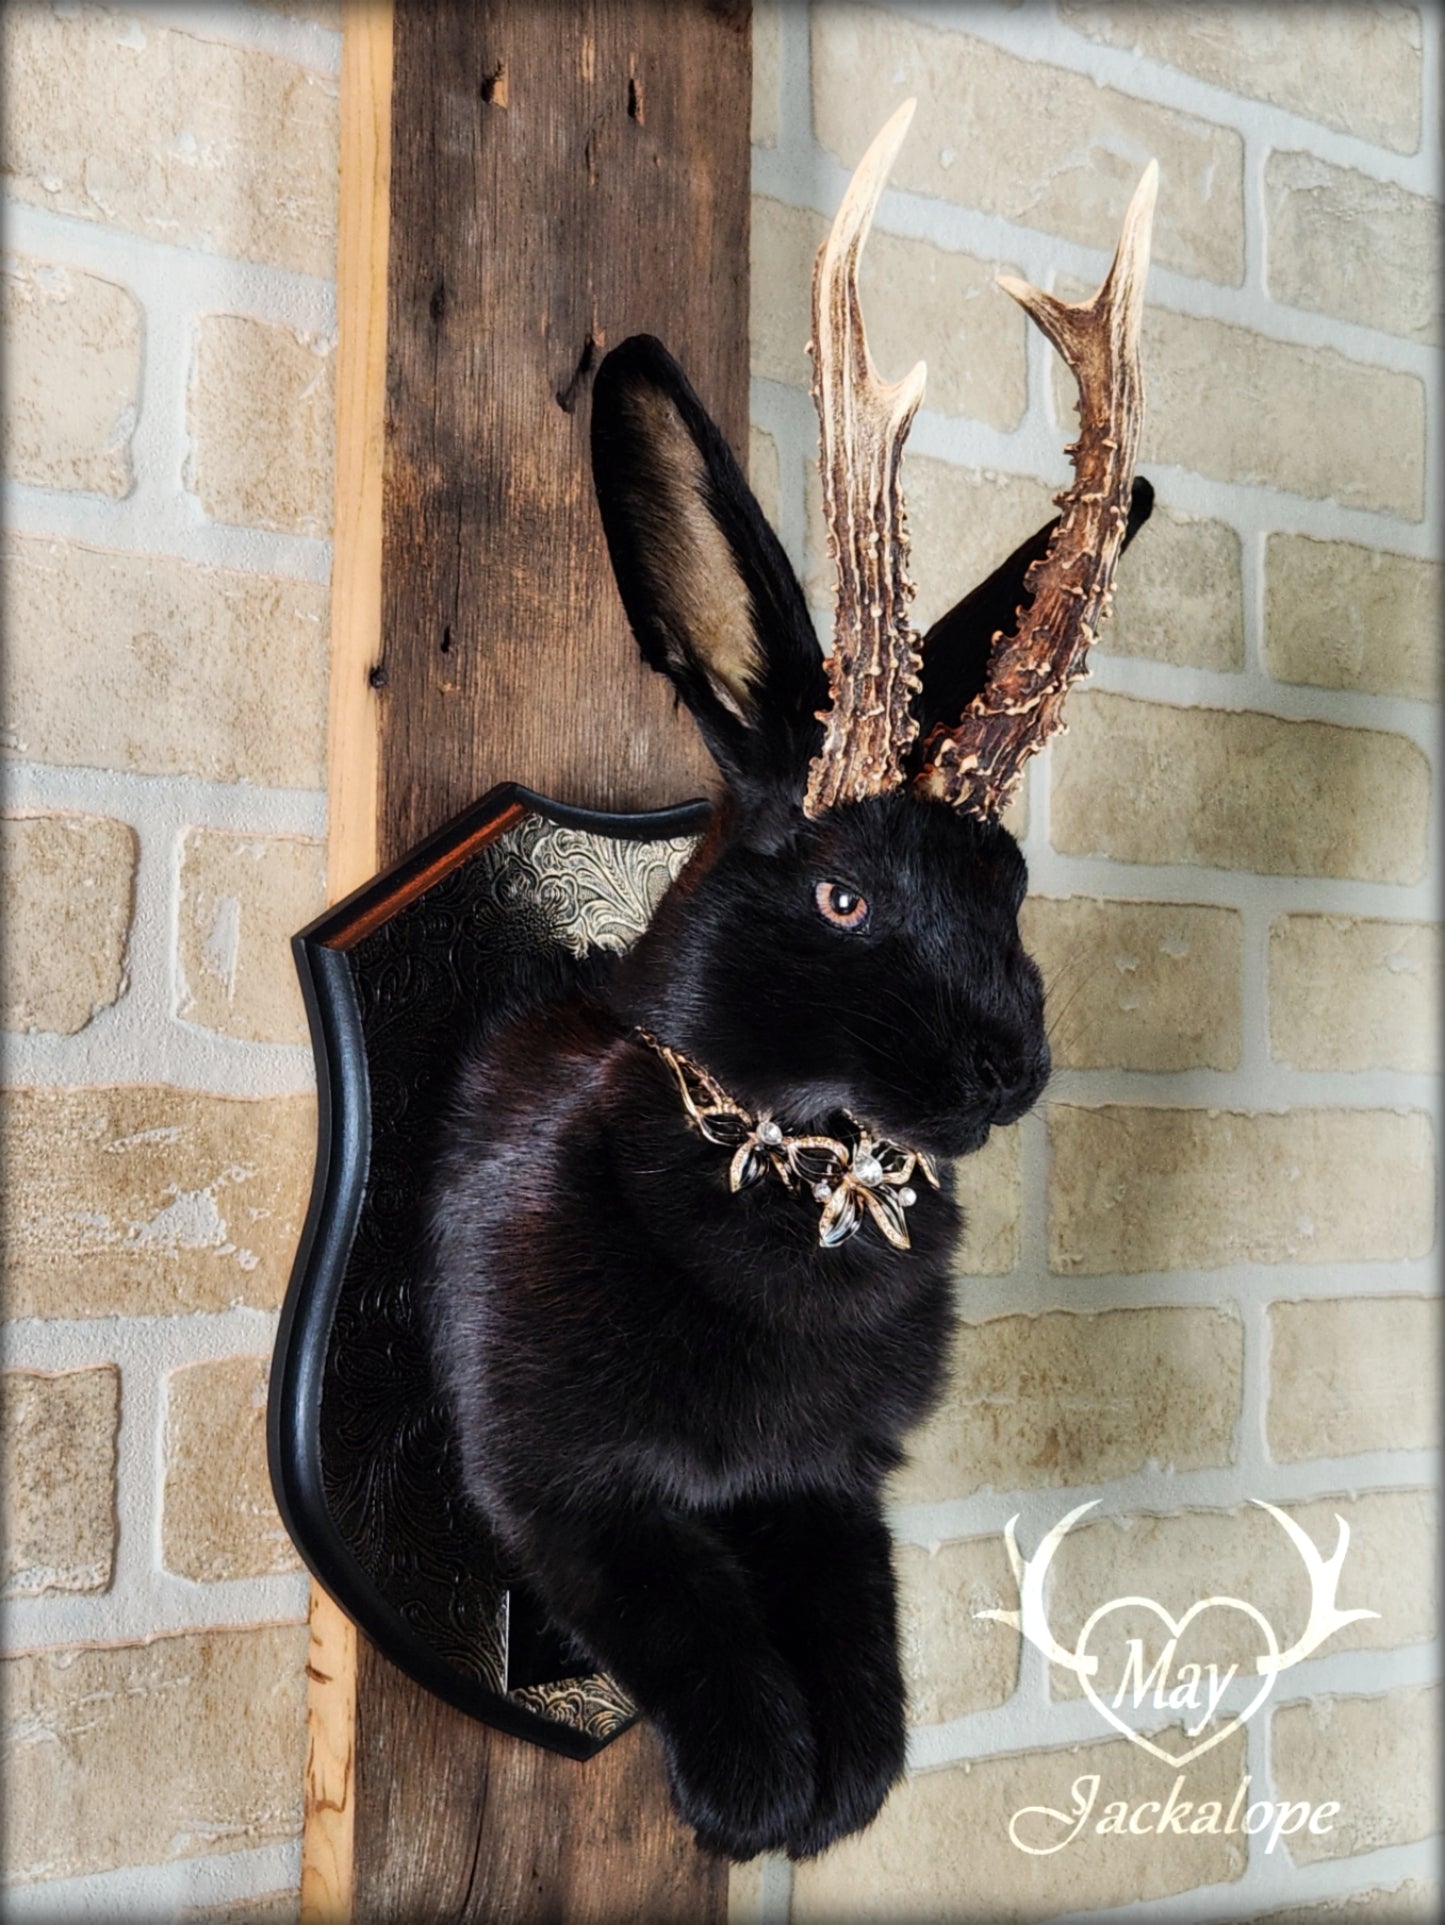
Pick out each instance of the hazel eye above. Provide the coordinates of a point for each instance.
(840, 905)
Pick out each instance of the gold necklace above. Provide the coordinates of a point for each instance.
(869, 1177)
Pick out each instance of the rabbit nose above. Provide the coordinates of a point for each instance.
(1010, 1084)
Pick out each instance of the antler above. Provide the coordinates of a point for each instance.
(873, 671)
(976, 763)
(1032, 1618)
(1324, 1573)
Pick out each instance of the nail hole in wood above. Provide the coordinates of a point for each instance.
(378, 678)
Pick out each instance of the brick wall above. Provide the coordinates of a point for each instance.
(170, 183)
(1204, 1272)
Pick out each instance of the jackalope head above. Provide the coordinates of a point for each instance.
(848, 937)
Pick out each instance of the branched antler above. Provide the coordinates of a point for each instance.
(976, 763)
(873, 671)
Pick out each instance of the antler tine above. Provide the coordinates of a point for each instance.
(873, 671)
(976, 763)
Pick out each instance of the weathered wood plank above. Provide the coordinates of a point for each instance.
(564, 173)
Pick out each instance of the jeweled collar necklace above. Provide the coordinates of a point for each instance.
(852, 1180)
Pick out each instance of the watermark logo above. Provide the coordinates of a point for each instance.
(1192, 1692)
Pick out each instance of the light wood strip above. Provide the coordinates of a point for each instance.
(327, 1849)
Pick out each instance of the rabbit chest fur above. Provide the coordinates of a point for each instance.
(617, 1319)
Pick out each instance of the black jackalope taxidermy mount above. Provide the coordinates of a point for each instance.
(692, 1254)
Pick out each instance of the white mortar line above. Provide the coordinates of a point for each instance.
(1054, 873)
(1269, 1087)
(169, 275)
(1034, 1291)
(120, 525)
(163, 805)
(1162, 1491)
(306, 42)
(156, 1604)
(1256, 692)
(159, 1894)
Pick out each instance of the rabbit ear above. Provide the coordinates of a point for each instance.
(956, 649)
(710, 595)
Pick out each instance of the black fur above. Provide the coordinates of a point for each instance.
(674, 1407)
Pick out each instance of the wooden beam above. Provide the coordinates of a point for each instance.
(363, 217)
(564, 173)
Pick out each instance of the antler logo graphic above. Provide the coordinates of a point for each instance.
(1195, 1688)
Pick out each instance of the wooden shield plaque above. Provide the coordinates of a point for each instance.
(362, 1460)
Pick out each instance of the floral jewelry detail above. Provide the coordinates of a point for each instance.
(867, 1178)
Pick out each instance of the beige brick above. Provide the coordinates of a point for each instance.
(1348, 992)
(1032, 142)
(955, 1662)
(185, 670)
(1236, 789)
(1411, 1903)
(68, 890)
(1239, 406)
(141, 1200)
(242, 899)
(1178, 1560)
(963, 522)
(763, 473)
(1079, 1397)
(1138, 985)
(261, 421)
(138, 1754)
(59, 1462)
(746, 1895)
(1180, 597)
(986, 1185)
(1133, 1188)
(158, 132)
(218, 1518)
(1341, 616)
(941, 1851)
(1353, 1374)
(1378, 1758)
(72, 375)
(767, 72)
(1352, 68)
(1346, 244)
(922, 302)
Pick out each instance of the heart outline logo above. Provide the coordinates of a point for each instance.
(1086, 1665)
